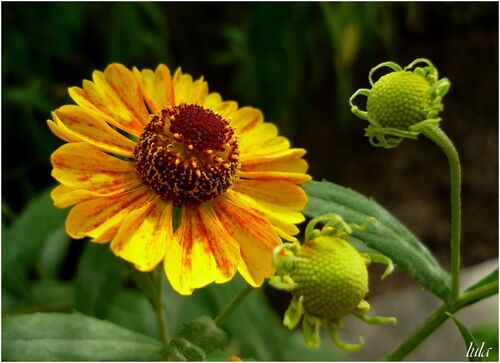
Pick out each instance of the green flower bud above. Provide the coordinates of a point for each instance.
(328, 279)
(400, 103)
(331, 276)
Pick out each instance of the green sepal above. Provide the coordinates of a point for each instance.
(294, 312)
(348, 347)
(379, 258)
(375, 320)
(195, 340)
(310, 328)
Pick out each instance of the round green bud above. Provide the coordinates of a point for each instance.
(399, 100)
(331, 276)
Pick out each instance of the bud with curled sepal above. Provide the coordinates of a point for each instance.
(401, 102)
(328, 279)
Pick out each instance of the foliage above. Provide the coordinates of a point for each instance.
(290, 60)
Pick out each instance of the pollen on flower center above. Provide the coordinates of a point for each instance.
(187, 154)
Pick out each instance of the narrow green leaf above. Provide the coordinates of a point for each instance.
(493, 276)
(470, 341)
(99, 278)
(26, 238)
(388, 236)
(72, 337)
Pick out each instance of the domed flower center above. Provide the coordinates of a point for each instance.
(187, 154)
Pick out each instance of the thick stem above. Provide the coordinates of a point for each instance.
(437, 135)
(439, 317)
(221, 318)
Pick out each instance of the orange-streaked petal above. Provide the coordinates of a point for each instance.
(144, 233)
(62, 132)
(187, 91)
(278, 193)
(87, 125)
(202, 252)
(282, 218)
(127, 88)
(100, 218)
(116, 95)
(289, 161)
(296, 178)
(64, 196)
(157, 87)
(86, 167)
(246, 119)
(255, 235)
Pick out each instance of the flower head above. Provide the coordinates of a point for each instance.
(401, 102)
(328, 279)
(142, 145)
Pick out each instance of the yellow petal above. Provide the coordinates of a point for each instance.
(282, 218)
(62, 132)
(83, 166)
(64, 196)
(157, 87)
(187, 91)
(202, 252)
(277, 193)
(100, 218)
(262, 139)
(87, 125)
(255, 235)
(296, 178)
(127, 88)
(246, 119)
(144, 233)
(116, 96)
(289, 160)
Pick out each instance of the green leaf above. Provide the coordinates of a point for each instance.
(133, 311)
(99, 278)
(72, 337)
(53, 253)
(492, 277)
(195, 340)
(48, 296)
(254, 328)
(388, 236)
(468, 337)
(26, 238)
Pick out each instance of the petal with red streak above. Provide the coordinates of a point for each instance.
(256, 237)
(289, 160)
(84, 166)
(100, 218)
(86, 125)
(144, 233)
(202, 252)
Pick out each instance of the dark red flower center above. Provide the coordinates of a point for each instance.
(187, 154)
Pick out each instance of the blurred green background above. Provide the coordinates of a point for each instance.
(299, 63)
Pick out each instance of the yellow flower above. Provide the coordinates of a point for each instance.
(142, 145)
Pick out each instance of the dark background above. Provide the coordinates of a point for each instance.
(299, 63)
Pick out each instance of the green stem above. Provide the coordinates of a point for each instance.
(221, 318)
(438, 317)
(159, 306)
(437, 135)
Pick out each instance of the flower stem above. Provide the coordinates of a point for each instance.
(437, 135)
(438, 317)
(221, 318)
(159, 306)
